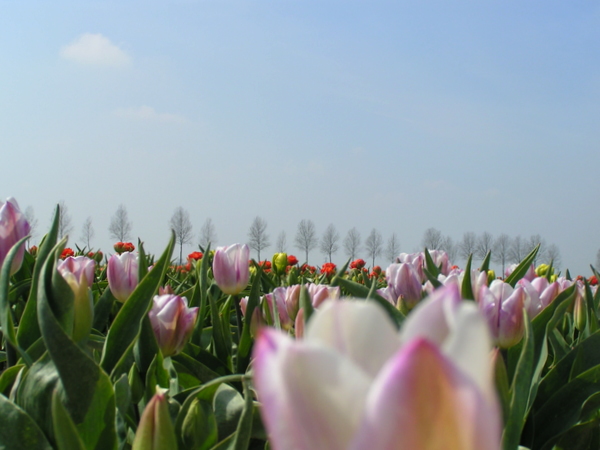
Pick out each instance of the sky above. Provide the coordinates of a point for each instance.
(464, 116)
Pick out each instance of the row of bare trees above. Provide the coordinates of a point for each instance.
(329, 243)
(505, 249)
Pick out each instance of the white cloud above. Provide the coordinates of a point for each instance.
(95, 49)
(147, 113)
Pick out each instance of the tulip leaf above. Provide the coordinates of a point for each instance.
(564, 408)
(522, 268)
(8, 377)
(485, 264)
(305, 303)
(142, 261)
(128, 322)
(102, 310)
(19, 430)
(466, 290)
(244, 428)
(201, 291)
(433, 280)
(156, 375)
(6, 321)
(520, 389)
(245, 344)
(29, 330)
(219, 340)
(65, 431)
(360, 291)
(187, 365)
(85, 389)
(145, 348)
(196, 426)
(430, 265)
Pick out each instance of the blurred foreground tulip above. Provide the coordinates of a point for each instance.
(155, 431)
(231, 268)
(13, 227)
(122, 274)
(173, 322)
(344, 386)
(78, 272)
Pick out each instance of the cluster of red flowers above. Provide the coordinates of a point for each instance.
(66, 253)
(292, 260)
(375, 272)
(328, 269)
(358, 264)
(96, 256)
(593, 280)
(195, 256)
(183, 269)
(121, 247)
(306, 268)
(266, 266)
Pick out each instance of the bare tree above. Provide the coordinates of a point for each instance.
(553, 254)
(65, 223)
(449, 247)
(501, 250)
(87, 232)
(352, 243)
(485, 243)
(329, 242)
(33, 222)
(208, 234)
(373, 245)
(518, 250)
(467, 245)
(120, 226)
(598, 260)
(393, 248)
(306, 237)
(432, 239)
(281, 242)
(181, 224)
(257, 237)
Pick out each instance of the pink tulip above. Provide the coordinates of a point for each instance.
(318, 293)
(404, 285)
(122, 274)
(173, 322)
(344, 386)
(231, 269)
(13, 227)
(503, 307)
(78, 272)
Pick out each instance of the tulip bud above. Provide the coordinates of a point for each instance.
(13, 227)
(230, 268)
(292, 260)
(78, 272)
(173, 322)
(155, 430)
(33, 250)
(280, 262)
(122, 274)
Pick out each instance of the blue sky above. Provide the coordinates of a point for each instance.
(400, 116)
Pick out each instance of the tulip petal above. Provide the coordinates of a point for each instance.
(348, 328)
(311, 396)
(422, 401)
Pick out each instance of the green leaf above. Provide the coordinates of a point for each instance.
(520, 389)
(522, 268)
(360, 291)
(244, 428)
(85, 389)
(222, 350)
(102, 310)
(6, 322)
(196, 426)
(29, 330)
(201, 291)
(305, 303)
(8, 377)
(156, 376)
(430, 265)
(245, 345)
(128, 322)
(466, 290)
(19, 430)
(65, 431)
(485, 264)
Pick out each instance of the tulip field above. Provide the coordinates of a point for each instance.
(127, 350)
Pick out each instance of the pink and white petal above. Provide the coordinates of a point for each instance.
(421, 401)
(469, 344)
(311, 396)
(348, 328)
(430, 317)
